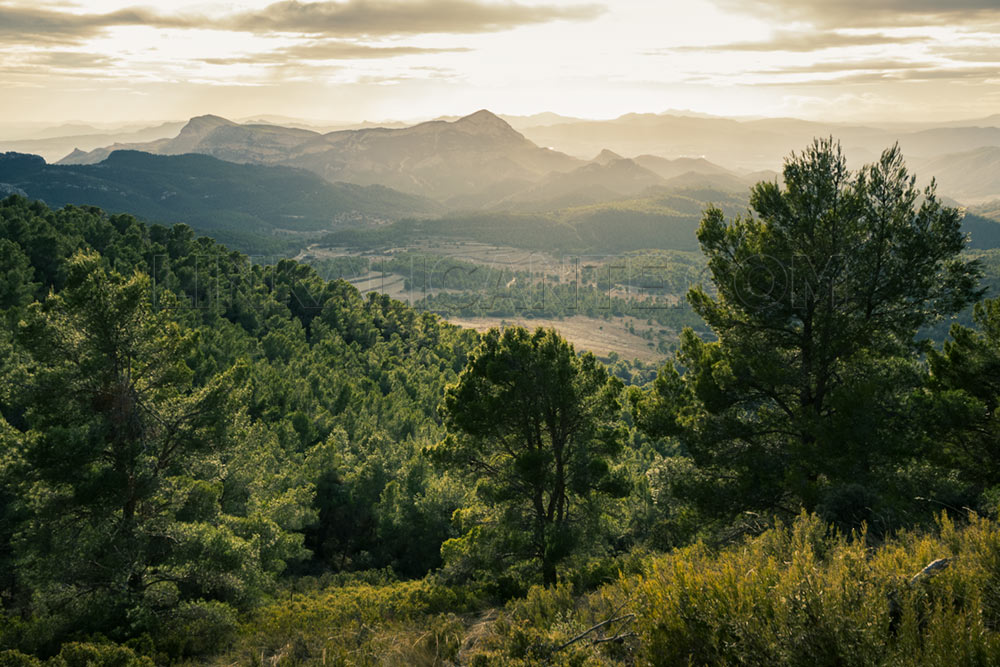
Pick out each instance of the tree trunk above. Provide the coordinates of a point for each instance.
(548, 571)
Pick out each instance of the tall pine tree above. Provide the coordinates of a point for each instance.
(818, 297)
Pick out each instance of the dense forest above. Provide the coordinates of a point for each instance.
(209, 460)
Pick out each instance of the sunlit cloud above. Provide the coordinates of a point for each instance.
(884, 76)
(408, 59)
(337, 50)
(21, 23)
(401, 17)
(982, 53)
(869, 13)
(804, 41)
(24, 24)
(882, 66)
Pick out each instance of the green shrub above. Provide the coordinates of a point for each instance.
(18, 659)
(198, 628)
(795, 595)
(78, 654)
(393, 623)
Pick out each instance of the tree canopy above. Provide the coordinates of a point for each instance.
(204, 458)
(535, 427)
(965, 395)
(816, 301)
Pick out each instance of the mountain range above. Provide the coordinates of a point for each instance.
(437, 159)
(958, 156)
(482, 161)
(260, 179)
(755, 144)
(474, 162)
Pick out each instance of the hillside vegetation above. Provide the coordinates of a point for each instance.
(205, 459)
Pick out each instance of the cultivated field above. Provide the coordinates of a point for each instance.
(586, 333)
(621, 335)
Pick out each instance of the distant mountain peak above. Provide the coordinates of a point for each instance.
(200, 125)
(607, 156)
(485, 121)
(481, 116)
(196, 130)
(210, 119)
(77, 154)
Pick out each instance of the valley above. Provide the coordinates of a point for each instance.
(499, 333)
(470, 218)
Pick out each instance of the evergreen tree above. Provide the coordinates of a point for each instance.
(535, 428)
(965, 384)
(122, 467)
(818, 297)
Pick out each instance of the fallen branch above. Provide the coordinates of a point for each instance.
(895, 605)
(594, 628)
(932, 568)
(616, 638)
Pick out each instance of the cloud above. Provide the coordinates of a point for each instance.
(869, 13)
(918, 74)
(328, 50)
(883, 66)
(945, 73)
(348, 18)
(804, 41)
(981, 53)
(33, 25)
(402, 17)
(414, 74)
(70, 60)
(79, 64)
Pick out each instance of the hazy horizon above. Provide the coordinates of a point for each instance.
(278, 119)
(115, 61)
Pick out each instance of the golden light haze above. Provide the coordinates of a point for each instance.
(117, 61)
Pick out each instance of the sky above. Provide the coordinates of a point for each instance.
(109, 61)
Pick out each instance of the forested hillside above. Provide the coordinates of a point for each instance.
(261, 210)
(662, 219)
(210, 460)
(174, 439)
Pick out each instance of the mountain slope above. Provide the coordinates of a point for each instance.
(716, 139)
(948, 140)
(211, 195)
(606, 157)
(605, 178)
(971, 176)
(215, 136)
(665, 168)
(76, 139)
(760, 144)
(984, 232)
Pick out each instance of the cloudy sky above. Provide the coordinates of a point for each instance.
(350, 60)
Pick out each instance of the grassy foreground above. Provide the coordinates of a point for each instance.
(795, 595)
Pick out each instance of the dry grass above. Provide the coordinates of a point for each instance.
(586, 333)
